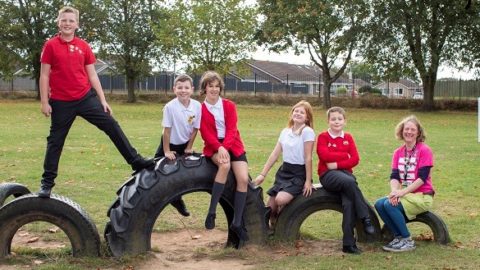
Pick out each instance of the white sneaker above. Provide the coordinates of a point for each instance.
(405, 244)
(393, 242)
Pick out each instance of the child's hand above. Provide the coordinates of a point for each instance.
(170, 155)
(106, 108)
(307, 188)
(46, 109)
(332, 166)
(259, 179)
(223, 155)
(189, 151)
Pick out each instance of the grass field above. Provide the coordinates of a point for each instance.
(91, 170)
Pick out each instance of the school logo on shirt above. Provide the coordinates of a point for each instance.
(345, 142)
(191, 118)
(332, 145)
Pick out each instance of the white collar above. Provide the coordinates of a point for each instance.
(217, 105)
(342, 134)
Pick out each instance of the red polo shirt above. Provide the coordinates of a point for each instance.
(68, 76)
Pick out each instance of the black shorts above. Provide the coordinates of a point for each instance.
(242, 157)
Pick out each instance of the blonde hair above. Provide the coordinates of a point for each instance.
(308, 111)
(69, 9)
(209, 77)
(412, 118)
(337, 109)
(183, 78)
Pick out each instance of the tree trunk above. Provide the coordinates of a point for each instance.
(327, 103)
(428, 90)
(131, 90)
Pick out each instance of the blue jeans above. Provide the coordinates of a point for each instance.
(393, 217)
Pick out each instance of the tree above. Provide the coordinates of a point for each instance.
(419, 36)
(208, 35)
(329, 29)
(122, 29)
(25, 25)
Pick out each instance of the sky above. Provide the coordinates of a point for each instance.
(304, 59)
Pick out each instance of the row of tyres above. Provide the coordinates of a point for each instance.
(142, 198)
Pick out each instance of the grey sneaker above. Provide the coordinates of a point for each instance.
(392, 243)
(405, 244)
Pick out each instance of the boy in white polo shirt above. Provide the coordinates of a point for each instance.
(181, 121)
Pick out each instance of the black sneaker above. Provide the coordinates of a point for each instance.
(141, 163)
(181, 207)
(210, 221)
(240, 231)
(352, 250)
(44, 192)
(367, 226)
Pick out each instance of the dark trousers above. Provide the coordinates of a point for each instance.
(62, 118)
(178, 148)
(353, 202)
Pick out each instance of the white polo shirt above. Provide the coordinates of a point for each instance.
(182, 120)
(293, 144)
(218, 114)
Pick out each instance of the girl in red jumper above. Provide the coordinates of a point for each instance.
(223, 144)
(337, 155)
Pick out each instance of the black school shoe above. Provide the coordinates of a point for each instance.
(141, 163)
(368, 226)
(240, 231)
(181, 207)
(210, 221)
(44, 192)
(352, 250)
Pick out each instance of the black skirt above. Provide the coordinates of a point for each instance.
(289, 178)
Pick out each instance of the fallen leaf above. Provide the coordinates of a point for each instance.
(33, 239)
(196, 236)
(53, 229)
(37, 262)
(388, 258)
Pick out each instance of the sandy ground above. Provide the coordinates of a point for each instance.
(192, 249)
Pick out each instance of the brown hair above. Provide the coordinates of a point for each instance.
(308, 110)
(339, 110)
(209, 77)
(183, 78)
(412, 118)
(69, 9)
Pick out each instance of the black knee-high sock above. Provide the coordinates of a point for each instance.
(217, 191)
(240, 198)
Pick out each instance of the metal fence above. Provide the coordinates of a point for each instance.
(257, 84)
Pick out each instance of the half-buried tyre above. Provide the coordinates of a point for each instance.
(433, 221)
(9, 189)
(58, 210)
(143, 197)
(294, 214)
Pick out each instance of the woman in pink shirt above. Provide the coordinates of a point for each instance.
(410, 183)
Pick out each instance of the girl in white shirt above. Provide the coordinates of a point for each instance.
(294, 177)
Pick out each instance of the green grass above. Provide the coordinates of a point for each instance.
(91, 170)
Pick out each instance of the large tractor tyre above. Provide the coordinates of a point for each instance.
(58, 210)
(294, 214)
(143, 197)
(436, 224)
(9, 189)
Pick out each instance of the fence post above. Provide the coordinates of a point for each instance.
(255, 85)
(478, 126)
(288, 86)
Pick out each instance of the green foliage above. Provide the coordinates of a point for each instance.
(341, 91)
(415, 37)
(24, 28)
(122, 29)
(208, 35)
(329, 30)
(369, 89)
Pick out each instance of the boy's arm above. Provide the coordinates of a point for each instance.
(95, 82)
(354, 158)
(44, 87)
(166, 143)
(324, 153)
(189, 149)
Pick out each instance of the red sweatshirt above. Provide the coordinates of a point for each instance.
(340, 150)
(208, 130)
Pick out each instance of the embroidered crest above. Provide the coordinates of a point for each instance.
(345, 142)
(191, 118)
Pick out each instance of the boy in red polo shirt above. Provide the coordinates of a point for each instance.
(67, 78)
